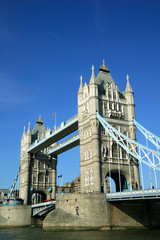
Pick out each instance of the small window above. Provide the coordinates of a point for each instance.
(102, 131)
(114, 95)
(41, 177)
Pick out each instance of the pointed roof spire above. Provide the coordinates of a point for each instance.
(103, 67)
(40, 120)
(93, 78)
(29, 129)
(24, 132)
(128, 86)
(81, 85)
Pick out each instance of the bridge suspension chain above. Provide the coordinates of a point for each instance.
(146, 155)
(150, 136)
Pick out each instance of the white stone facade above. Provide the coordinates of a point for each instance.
(100, 157)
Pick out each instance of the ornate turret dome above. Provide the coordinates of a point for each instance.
(103, 67)
(39, 120)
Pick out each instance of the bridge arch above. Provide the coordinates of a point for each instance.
(38, 197)
(120, 178)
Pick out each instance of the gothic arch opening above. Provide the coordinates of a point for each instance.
(38, 197)
(116, 181)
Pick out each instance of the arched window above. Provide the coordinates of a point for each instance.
(105, 106)
(41, 177)
(114, 95)
(102, 131)
(123, 153)
(110, 105)
(34, 179)
(41, 165)
(114, 150)
(47, 177)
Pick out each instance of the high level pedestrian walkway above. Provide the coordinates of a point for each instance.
(60, 132)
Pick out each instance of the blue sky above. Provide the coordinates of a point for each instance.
(44, 48)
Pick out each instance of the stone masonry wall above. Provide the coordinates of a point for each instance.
(15, 216)
(77, 211)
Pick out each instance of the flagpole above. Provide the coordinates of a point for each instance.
(55, 122)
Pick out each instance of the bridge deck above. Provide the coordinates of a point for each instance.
(60, 132)
(133, 195)
(42, 208)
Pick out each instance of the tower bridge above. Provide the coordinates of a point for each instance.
(107, 138)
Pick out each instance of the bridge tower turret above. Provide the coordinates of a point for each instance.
(89, 136)
(100, 157)
(129, 95)
(25, 165)
(38, 171)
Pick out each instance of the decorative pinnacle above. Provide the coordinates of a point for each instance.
(128, 86)
(103, 67)
(92, 69)
(40, 120)
(24, 128)
(81, 78)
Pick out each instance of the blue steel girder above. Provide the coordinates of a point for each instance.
(60, 132)
(150, 136)
(146, 155)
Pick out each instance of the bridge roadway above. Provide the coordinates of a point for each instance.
(60, 132)
(42, 208)
(133, 195)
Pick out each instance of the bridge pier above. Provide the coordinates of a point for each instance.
(92, 211)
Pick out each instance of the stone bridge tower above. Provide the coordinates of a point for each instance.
(38, 171)
(100, 157)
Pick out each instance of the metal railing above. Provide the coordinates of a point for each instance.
(133, 195)
(42, 208)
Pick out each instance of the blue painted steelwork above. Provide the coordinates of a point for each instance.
(133, 195)
(69, 143)
(150, 136)
(130, 146)
(42, 208)
(33, 197)
(6, 202)
(63, 130)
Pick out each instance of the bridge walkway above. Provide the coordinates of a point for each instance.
(64, 146)
(60, 132)
(133, 195)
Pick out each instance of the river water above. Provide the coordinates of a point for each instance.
(39, 234)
